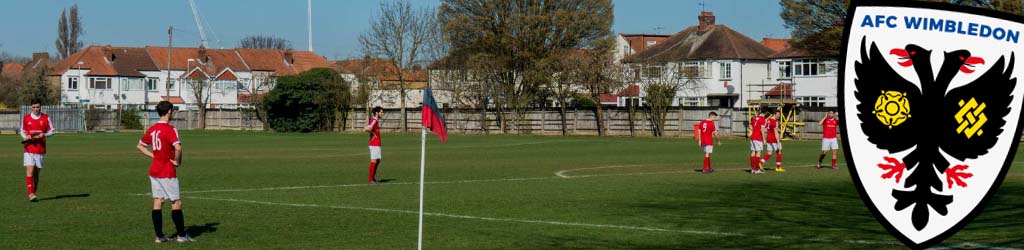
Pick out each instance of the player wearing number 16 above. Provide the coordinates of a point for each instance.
(163, 178)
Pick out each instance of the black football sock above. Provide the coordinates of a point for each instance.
(158, 222)
(179, 221)
(820, 158)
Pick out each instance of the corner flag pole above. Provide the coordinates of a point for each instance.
(423, 157)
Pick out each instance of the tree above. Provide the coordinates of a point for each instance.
(201, 88)
(818, 24)
(516, 36)
(264, 42)
(255, 91)
(299, 103)
(69, 32)
(398, 35)
(660, 93)
(35, 86)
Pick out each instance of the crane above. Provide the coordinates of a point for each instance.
(199, 23)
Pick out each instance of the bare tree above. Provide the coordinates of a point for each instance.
(264, 42)
(660, 91)
(255, 89)
(399, 35)
(201, 89)
(69, 32)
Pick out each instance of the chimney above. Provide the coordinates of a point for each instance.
(288, 56)
(39, 56)
(108, 53)
(706, 20)
(202, 55)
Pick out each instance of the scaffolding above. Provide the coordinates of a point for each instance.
(777, 97)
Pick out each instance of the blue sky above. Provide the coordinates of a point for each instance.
(29, 26)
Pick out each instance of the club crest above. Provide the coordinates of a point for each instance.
(929, 112)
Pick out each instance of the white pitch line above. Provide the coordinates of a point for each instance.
(563, 176)
(557, 223)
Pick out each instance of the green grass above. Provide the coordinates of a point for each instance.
(485, 192)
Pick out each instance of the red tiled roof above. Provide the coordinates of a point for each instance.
(173, 99)
(638, 42)
(775, 44)
(718, 42)
(608, 99)
(266, 60)
(246, 97)
(197, 73)
(92, 59)
(306, 60)
(782, 89)
(12, 70)
(631, 90)
(227, 74)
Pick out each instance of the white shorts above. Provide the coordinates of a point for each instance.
(830, 143)
(374, 153)
(774, 146)
(165, 188)
(756, 145)
(708, 148)
(34, 160)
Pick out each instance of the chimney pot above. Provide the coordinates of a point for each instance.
(706, 20)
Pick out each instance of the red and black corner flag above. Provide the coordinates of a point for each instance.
(432, 117)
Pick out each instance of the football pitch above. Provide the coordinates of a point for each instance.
(256, 190)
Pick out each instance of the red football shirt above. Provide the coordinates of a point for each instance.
(374, 132)
(161, 137)
(30, 126)
(772, 125)
(830, 128)
(707, 130)
(756, 124)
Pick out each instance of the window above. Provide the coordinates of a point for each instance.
(814, 67)
(151, 83)
(243, 84)
(785, 69)
(693, 101)
(651, 43)
(73, 83)
(652, 72)
(726, 70)
(811, 101)
(695, 69)
(99, 83)
(225, 85)
(131, 84)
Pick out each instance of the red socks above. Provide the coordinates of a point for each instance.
(778, 159)
(766, 156)
(833, 162)
(707, 163)
(30, 185)
(373, 171)
(753, 162)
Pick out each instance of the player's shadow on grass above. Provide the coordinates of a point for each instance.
(65, 196)
(386, 180)
(197, 230)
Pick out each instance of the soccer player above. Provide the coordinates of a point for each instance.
(163, 178)
(35, 127)
(708, 135)
(829, 141)
(373, 127)
(773, 133)
(756, 143)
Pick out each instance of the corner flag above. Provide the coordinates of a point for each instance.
(434, 120)
(432, 117)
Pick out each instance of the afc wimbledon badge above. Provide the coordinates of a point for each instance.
(931, 110)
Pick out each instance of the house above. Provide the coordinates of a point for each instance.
(712, 64)
(111, 77)
(385, 86)
(814, 77)
(628, 44)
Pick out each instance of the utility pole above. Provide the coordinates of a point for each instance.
(167, 84)
(309, 22)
